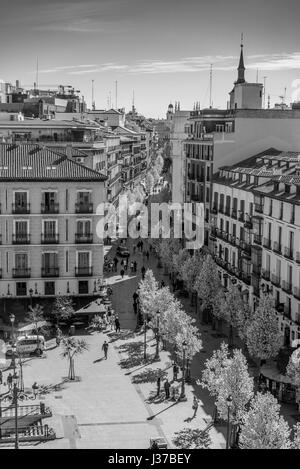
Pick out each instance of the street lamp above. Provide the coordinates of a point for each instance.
(145, 337)
(157, 336)
(182, 395)
(229, 401)
(31, 293)
(14, 397)
(12, 321)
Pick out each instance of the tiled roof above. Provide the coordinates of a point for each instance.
(29, 162)
(76, 152)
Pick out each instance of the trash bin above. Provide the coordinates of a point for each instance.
(72, 330)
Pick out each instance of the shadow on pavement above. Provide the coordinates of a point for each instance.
(149, 376)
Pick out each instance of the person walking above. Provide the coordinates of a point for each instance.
(143, 270)
(195, 406)
(105, 349)
(134, 249)
(118, 325)
(116, 260)
(175, 371)
(167, 389)
(158, 383)
(125, 265)
(9, 381)
(147, 255)
(122, 273)
(135, 266)
(131, 266)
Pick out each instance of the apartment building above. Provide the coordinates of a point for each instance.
(49, 242)
(255, 232)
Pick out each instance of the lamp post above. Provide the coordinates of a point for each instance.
(182, 395)
(12, 321)
(229, 401)
(157, 336)
(145, 337)
(31, 293)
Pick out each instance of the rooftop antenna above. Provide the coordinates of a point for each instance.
(265, 80)
(93, 99)
(257, 75)
(269, 99)
(132, 99)
(210, 86)
(116, 95)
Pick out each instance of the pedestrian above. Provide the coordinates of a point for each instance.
(125, 265)
(158, 382)
(162, 284)
(141, 244)
(117, 324)
(147, 255)
(105, 349)
(122, 272)
(135, 307)
(135, 266)
(167, 389)
(35, 388)
(116, 260)
(195, 406)
(9, 381)
(131, 266)
(135, 296)
(122, 262)
(175, 371)
(58, 336)
(143, 270)
(134, 249)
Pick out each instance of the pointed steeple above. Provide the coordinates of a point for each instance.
(241, 67)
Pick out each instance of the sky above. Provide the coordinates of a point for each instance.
(161, 49)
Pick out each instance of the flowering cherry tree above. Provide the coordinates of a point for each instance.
(147, 292)
(213, 368)
(262, 426)
(233, 308)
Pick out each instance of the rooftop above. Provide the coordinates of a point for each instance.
(30, 162)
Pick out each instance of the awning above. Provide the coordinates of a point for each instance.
(31, 326)
(95, 307)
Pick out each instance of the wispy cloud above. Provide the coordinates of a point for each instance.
(273, 62)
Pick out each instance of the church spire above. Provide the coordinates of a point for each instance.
(241, 67)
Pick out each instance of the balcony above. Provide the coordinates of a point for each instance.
(265, 274)
(287, 312)
(195, 198)
(50, 271)
(275, 279)
(267, 243)
(232, 240)
(297, 293)
(248, 222)
(21, 273)
(83, 238)
(21, 238)
(277, 247)
(245, 247)
(84, 207)
(50, 238)
(259, 208)
(286, 286)
(246, 277)
(298, 257)
(257, 239)
(214, 209)
(50, 208)
(241, 216)
(227, 211)
(20, 209)
(234, 214)
(288, 252)
(83, 271)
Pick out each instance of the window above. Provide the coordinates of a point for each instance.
(21, 228)
(50, 228)
(21, 261)
(49, 288)
(21, 288)
(84, 227)
(83, 287)
(49, 204)
(20, 200)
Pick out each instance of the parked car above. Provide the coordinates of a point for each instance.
(28, 345)
(123, 251)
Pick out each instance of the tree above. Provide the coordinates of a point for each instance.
(213, 368)
(190, 270)
(149, 183)
(36, 316)
(167, 249)
(296, 439)
(263, 336)
(189, 334)
(70, 348)
(179, 260)
(262, 426)
(233, 307)
(209, 288)
(147, 291)
(62, 308)
(234, 381)
(192, 438)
